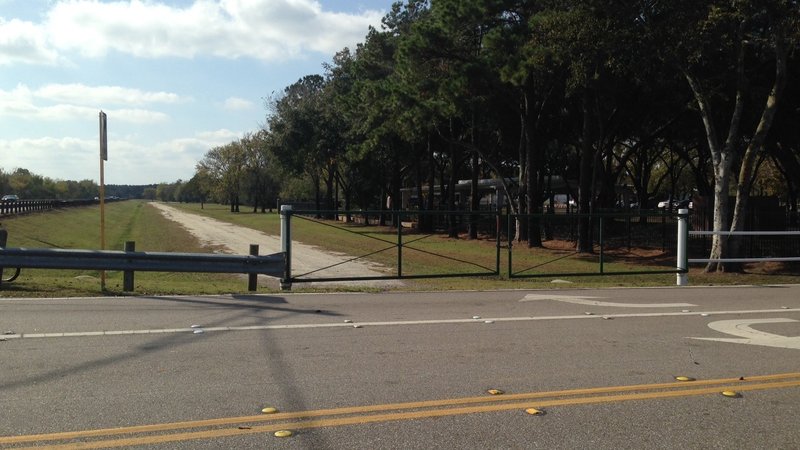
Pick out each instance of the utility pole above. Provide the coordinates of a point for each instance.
(103, 157)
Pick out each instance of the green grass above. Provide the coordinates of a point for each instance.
(422, 254)
(79, 228)
(437, 254)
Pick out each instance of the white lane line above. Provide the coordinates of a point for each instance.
(748, 335)
(301, 326)
(587, 300)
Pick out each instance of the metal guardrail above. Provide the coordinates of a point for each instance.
(130, 261)
(46, 258)
(3, 242)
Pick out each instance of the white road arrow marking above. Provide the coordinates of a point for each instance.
(587, 300)
(741, 328)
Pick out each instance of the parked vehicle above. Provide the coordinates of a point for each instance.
(675, 204)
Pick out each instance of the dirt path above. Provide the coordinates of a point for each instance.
(226, 237)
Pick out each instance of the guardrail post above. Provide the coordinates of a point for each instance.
(286, 246)
(127, 276)
(682, 278)
(3, 242)
(252, 279)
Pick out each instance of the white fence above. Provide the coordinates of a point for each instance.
(683, 238)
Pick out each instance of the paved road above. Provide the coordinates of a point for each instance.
(406, 370)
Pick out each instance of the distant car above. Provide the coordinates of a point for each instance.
(676, 204)
(10, 198)
(633, 204)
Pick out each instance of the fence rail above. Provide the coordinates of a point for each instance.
(607, 230)
(744, 260)
(26, 206)
(400, 242)
(609, 234)
(613, 234)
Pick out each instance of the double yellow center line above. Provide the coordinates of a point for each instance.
(357, 415)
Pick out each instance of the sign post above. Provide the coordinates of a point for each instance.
(103, 157)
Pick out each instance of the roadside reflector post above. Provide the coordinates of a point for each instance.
(683, 238)
(252, 279)
(286, 246)
(127, 276)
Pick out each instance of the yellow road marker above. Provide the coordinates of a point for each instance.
(269, 410)
(495, 392)
(283, 433)
(359, 415)
(682, 378)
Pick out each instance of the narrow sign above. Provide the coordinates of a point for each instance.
(103, 137)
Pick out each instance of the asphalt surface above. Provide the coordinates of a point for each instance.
(405, 370)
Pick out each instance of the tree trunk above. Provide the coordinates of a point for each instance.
(451, 192)
(755, 146)
(521, 230)
(585, 177)
(474, 198)
(431, 188)
(534, 194)
(722, 159)
(329, 191)
(317, 194)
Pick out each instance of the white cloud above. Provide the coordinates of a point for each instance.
(259, 29)
(102, 95)
(26, 43)
(129, 162)
(238, 104)
(219, 137)
(58, 158)
(81, 102)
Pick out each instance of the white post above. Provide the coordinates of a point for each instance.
(683, 237)
(286, 246)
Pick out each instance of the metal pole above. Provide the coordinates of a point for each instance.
(252, 279)
(497, 243)
(682, 279)
(508, 225)
(102, 223)
(600, 218)
(399, 245)
(127, 276)
(103, 156)
(286, 246)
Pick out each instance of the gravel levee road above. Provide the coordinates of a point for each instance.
(226, 237)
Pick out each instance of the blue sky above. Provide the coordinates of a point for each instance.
(176, 78)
